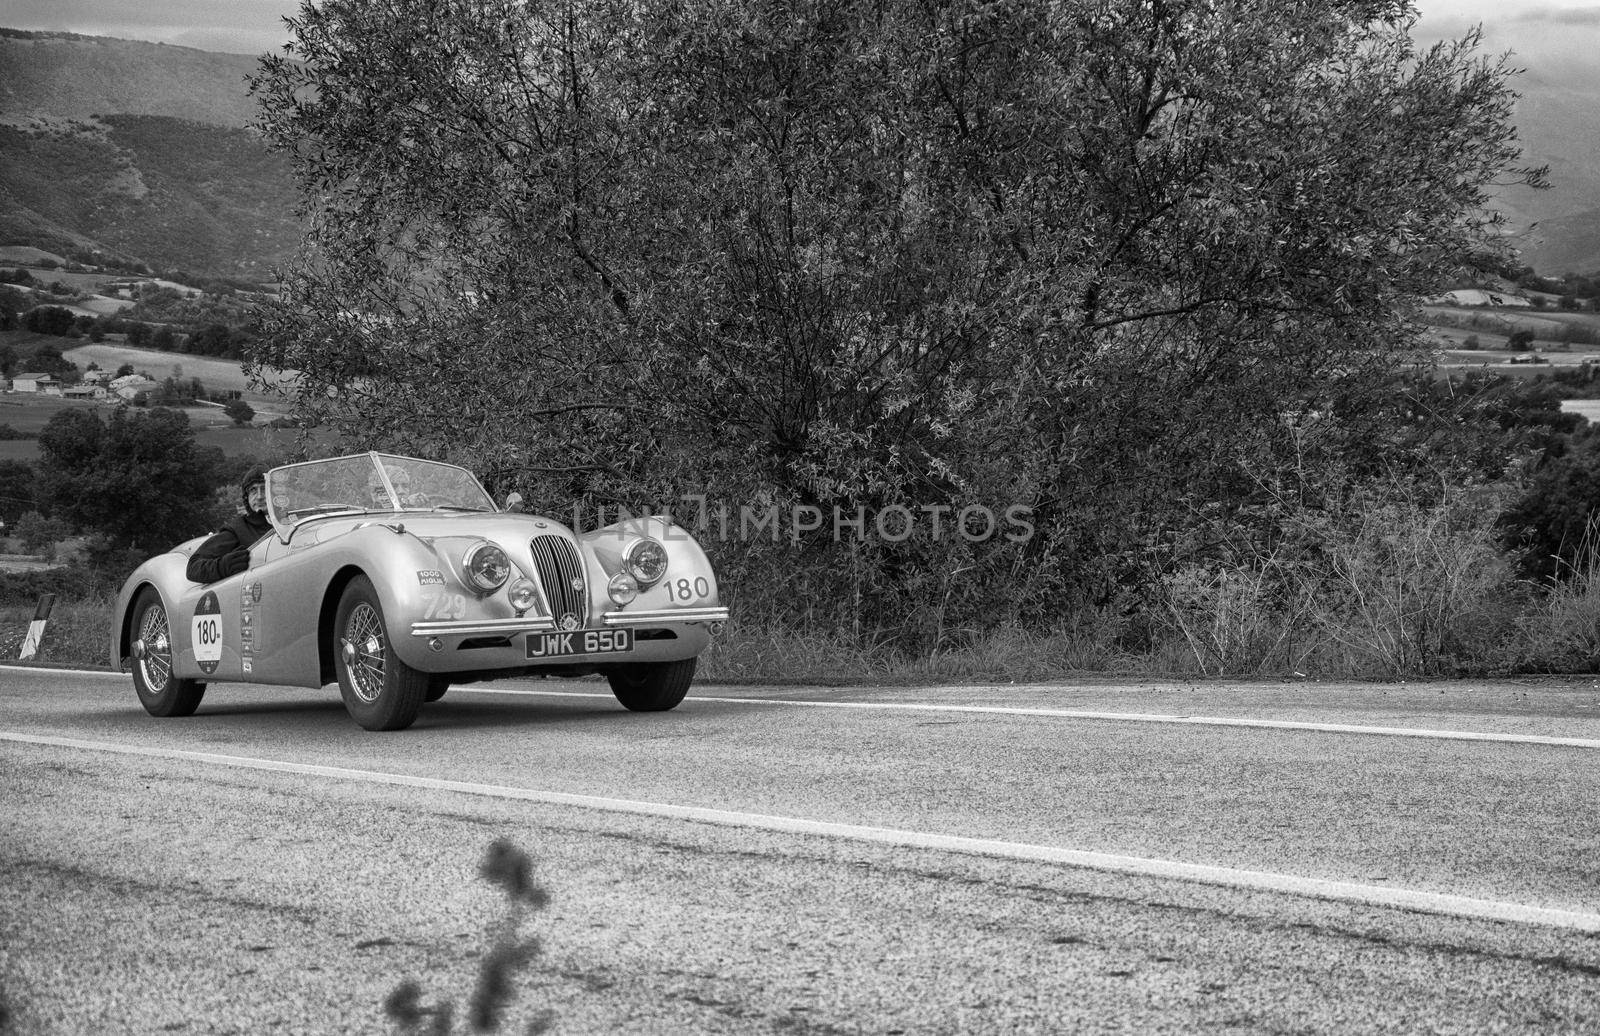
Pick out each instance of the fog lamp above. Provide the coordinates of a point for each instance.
(522, 594)
(623, 588)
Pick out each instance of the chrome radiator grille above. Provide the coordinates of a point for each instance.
(561, 577)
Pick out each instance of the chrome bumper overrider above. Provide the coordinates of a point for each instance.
(469, 627)
(665, 615)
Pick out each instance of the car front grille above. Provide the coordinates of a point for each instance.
(561, 576)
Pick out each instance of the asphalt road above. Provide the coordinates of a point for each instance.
(1094, 857)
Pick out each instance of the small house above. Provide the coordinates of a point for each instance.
(44, 384)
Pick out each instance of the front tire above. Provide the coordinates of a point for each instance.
(651, 686)
(379, 690)
(160, 692)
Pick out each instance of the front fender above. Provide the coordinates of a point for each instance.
(165, 573)
(417, 579)
(690, 583)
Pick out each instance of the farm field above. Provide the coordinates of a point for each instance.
(1588, 409)
(30, 413)
(1492, 325)
(215, 373)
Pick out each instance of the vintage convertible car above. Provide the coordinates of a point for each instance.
(399, 577)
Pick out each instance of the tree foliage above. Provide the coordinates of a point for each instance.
(138, 479)
(1109, 260)
(48, 320)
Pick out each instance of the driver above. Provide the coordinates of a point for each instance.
(228, 550)
(402, 488)
(400, 478)
(377, 492)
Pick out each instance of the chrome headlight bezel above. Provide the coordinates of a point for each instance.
(645, 559)
(484, 572)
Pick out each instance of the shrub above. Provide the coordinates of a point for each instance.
(39, 534)
(1389, 581)
(48, 320)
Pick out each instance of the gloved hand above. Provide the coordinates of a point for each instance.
(236, 560)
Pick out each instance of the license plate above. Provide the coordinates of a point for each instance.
(579, 642)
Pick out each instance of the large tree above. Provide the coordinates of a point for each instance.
(1108, 258)
(138, 479)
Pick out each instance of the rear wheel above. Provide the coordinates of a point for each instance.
(380, 691)
(160, 692)
(651, 686)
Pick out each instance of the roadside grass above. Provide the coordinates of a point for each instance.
(1390, 588)
(1553, 630)
(1008, 654)
(78, 632)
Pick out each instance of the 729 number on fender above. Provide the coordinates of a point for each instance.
(579, 642)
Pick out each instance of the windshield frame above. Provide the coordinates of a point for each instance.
(369, 483)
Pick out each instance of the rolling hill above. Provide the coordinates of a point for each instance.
(141, 151)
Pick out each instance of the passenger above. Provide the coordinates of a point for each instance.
(228, 551)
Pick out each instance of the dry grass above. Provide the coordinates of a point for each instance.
(1436, 619)
(78, 633)
(1088, 644)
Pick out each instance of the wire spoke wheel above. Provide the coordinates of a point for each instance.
(155, 663)
(380, 691)
(161, 691)
(363, 651)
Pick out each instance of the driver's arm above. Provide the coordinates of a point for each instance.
(218, 558)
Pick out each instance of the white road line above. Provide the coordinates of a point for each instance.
(1003, 710)
(1287, 884)
(38, 669)
(1124, 717)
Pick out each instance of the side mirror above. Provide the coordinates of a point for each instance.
(514, 504)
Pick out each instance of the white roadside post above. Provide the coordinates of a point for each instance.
(41, 615)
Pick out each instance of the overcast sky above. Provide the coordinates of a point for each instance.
(1565, 29)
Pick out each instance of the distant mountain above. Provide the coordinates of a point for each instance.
(1558, 121)
(80, 76)
(141, 149)
(138, 150)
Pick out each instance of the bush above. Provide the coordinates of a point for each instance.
(1389, 582)
(70, 582)
(39, 535)
(1561, 633)
(239, 411)
(48, 320)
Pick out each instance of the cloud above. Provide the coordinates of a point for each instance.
(1560, 16)
(241, 26)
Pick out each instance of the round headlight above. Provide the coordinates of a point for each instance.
(622, 588)
(646, 561)
(487, 566)
(522, 594)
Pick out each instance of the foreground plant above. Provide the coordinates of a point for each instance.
(509, 952)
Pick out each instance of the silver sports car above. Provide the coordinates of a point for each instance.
(399, 577)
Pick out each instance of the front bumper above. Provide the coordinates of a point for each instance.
(484, 627)
(667, 616)
(485, 646)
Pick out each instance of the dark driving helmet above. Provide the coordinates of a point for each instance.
(256, 476)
